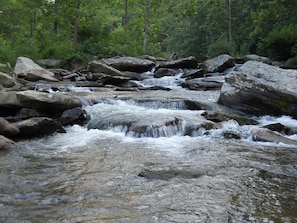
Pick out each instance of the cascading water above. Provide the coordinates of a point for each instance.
(145, 157)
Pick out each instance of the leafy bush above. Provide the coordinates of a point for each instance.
(279, 43)
(7, 54)
(74, 60)
(292, 62)
(59, 50)
(219, 47)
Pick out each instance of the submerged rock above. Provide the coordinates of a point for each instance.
(261, 89)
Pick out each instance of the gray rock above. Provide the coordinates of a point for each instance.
(112, 80)
(130, 64)
(31, 71)
(261, 89)
(8, 99)
(152, 127)
(218, 64)
(195, 73)
(203, 84)
(40, 126)
(97, 66)
(49, 63)
(220, 117)
(188, 63)
(255, 57)
(73, 116)
(7, 129)
(162, 72)
(266, 135)
(6, 80)
(46, 102)
(5, 143)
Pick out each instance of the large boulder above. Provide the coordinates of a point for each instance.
(97, 66)
(162, 72)
(188, 63)
(5, 143)
(256, 57)
(31, 71)
(9, 104)
(266, 135)
(7, 129)
(73, 116)
(39, 126)
(203, 84)
(261, 89)
(6, 80)
(218, 64)
(47, 102)
(130, 64)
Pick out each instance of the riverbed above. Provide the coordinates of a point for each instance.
(106, 175)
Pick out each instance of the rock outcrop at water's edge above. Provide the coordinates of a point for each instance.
(35, 101)
(261, 89)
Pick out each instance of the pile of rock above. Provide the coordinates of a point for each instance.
(254, 88)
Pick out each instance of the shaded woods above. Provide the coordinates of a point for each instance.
(80, 29)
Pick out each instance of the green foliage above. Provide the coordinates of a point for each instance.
(221, 46)
(7, 53)
(292, 62)
(74, 60)
(109, 28)
(279, 43)
(59, 50)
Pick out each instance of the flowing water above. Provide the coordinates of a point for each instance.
(112, 174)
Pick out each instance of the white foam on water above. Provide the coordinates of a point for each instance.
(167, 81)
(75, 136)
(284, 120)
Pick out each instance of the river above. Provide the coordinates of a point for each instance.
(107, 175)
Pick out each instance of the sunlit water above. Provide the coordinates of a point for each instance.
(94, 175)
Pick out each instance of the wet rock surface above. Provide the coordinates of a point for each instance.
(261, 89)
(202, 167)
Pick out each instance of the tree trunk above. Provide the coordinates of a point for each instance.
(230, 22)
(32, 24)
(76, 25)
(146, 26)
(126, 17)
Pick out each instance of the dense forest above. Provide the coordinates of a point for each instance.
(81, 29)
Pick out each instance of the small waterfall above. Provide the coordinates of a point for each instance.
(167, 81)
(158, 104)
(173, 128)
